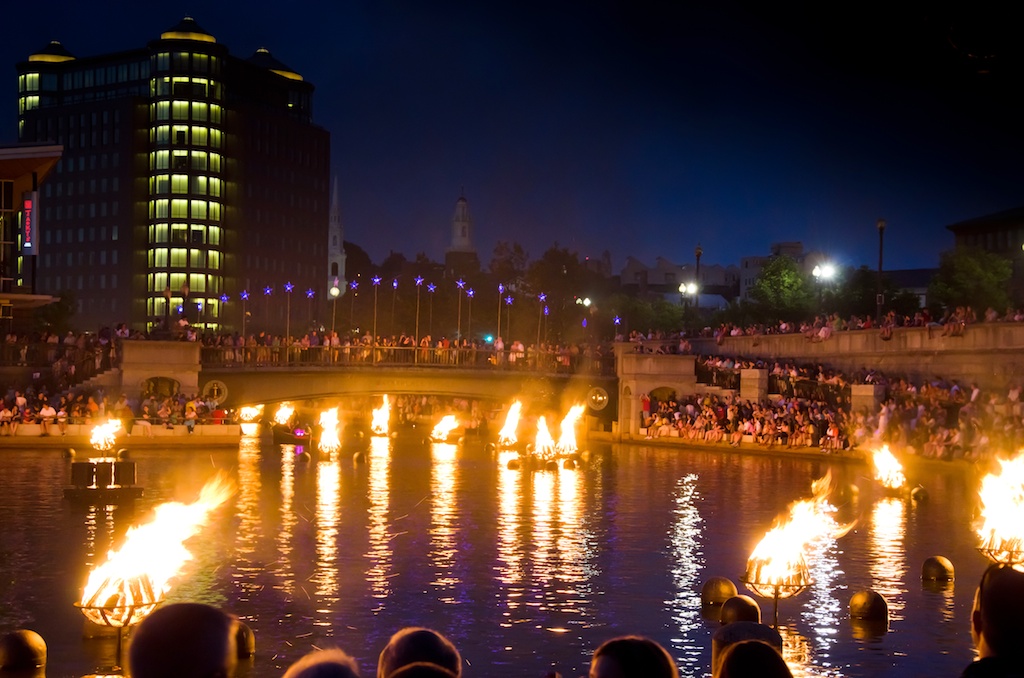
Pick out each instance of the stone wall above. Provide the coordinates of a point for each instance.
(991, 354)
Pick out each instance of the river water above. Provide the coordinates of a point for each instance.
(526, 571)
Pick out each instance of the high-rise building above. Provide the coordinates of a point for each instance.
(189, 176)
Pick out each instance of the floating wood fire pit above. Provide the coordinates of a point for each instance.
(767, 579)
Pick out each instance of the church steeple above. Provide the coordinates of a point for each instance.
(462, 226)
(461, 257)
(335, 248)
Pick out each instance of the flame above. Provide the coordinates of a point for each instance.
(329, 440)
(284, 413)
(544, 444)
(135, 579)
(104, 435)
(1002, 513)
(507, 435)
(250, 413)
(444, 427)
(888, 470)
(777, 567)
(381, 418)
(567, 438)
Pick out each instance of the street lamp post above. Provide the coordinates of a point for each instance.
(419, 286)
(461, 285)
(335, 292)
(822, 274)
(508, 315)
(353, 291)
(501, 291)
(310, 294)
(541, 298)
(376, 283)
(879, 297)
(431, 287)
(394, 296)
(469, 322)
(697, 253)
(167, 309)
(288, 287)
(245, 312)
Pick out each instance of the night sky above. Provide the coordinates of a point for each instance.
(641, 128)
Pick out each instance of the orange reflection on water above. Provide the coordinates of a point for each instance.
(510, 555)
(543, 531)
(887, 563)
(247, 512)
(328, 514)
(380, 554)
(443, 517)
(572, 545)
(285, 571)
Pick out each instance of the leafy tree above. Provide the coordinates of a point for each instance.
(508, 263)
(782, 290)
(56, 317)
(392, 265)
(357, 261)
(971, 277)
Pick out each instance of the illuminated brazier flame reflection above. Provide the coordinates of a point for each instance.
(888, 470)
(777, 567)
(134, 580)
(381, 421)
(249, 416)
(507, 435)
(105, 435)
(444, 428)
(1002, 514)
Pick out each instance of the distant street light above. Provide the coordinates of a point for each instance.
(335, 292)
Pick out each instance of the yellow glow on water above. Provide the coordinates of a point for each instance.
(888, 562)
(328, 516)
(284, 568)
(380, 554)
(443, 518)
(510, 549)
(545, 568)
(247, 513)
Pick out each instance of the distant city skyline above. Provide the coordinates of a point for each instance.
(639, 128)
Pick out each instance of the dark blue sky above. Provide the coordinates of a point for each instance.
(642, 128)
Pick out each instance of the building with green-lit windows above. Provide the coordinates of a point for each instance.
(193, 185)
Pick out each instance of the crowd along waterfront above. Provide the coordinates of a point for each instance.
(526, 570)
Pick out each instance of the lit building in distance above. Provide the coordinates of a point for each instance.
(188, 176)
(461, 257)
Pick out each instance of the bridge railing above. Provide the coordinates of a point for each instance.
(392, 356)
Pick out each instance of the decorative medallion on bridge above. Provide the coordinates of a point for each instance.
(597, 398)
(215, 390)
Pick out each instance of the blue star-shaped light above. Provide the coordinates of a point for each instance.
(419, 280)
(376, 280)
(310, 293)
(224, 298)
(431, 287)
(288, 287)
(460, 283)
(354, 285)
(470, 293)
(244, 295)
(618, 320)
(542, 297)
(268, 290)
(509, 300)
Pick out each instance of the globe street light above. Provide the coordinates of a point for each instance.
(335, 292)
(822, 273)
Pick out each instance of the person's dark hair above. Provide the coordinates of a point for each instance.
(752, 659)
(183, 639)
(1001, 607)
(417, 644)
(636, 657)
(421, 670)
(324, 664)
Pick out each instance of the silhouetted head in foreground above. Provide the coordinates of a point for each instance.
(416, 644)
(324, 664)
(632, 657)
(752, 659)
(184, 640)
(421, 670)
(997, 622)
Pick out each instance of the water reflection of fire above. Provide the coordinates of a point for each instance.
(1002, 513)
(567, 438)
(329, 439)
(444, 428)
(507, 435)
(777, 567)
(381, 418)
(888, 469)
(134, 580)
(544, 444)
(105, 435)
